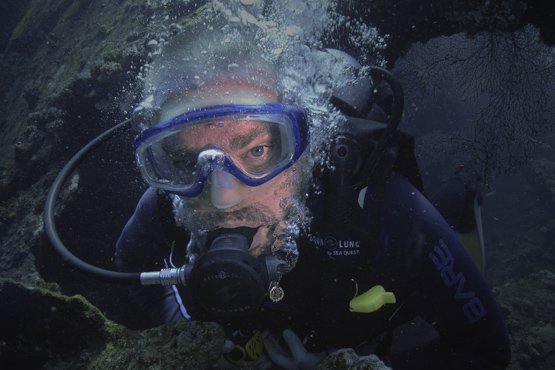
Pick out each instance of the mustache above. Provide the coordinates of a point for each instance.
(259, 213)
(255, 213)
(212, 219)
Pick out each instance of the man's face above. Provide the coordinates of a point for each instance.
(225, 202)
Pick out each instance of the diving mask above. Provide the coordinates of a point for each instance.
(254, 143)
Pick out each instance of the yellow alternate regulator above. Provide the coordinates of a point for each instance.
(371, 300)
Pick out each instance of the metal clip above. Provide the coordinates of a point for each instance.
(275, 292)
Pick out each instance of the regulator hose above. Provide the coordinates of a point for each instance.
(50, 208)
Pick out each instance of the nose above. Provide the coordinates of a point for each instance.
(224, 189)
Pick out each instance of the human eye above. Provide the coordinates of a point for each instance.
(259, 157)
(259, 150)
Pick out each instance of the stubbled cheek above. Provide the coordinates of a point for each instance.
(277, 202)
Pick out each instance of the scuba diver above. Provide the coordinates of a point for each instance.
(296, 259)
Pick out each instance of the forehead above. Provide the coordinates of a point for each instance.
(225, 132)
(217, 94)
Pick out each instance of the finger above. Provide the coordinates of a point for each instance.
(303, 359)
(295, 345)
(276, 354)
(272, 347)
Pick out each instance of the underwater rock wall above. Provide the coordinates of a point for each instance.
(42, 328)
(65, 64)
(63, 69)
(528, 307)
(68, 71)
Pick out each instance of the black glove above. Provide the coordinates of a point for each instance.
(296, 357)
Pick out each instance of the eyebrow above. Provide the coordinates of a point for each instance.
(242, 141)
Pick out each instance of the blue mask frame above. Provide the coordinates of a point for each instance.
(299, 129)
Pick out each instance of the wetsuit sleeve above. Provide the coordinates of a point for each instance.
(142, 246)
(441, 284)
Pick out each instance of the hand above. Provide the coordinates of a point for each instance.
(297, 358)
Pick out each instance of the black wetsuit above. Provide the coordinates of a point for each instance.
(445, 316)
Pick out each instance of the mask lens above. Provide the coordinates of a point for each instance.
(252, 147)
(267, 145)
(167, 162)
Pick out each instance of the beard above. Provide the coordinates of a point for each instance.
(276, 231)
(277, 213)
(209, 219)
(254, 215)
